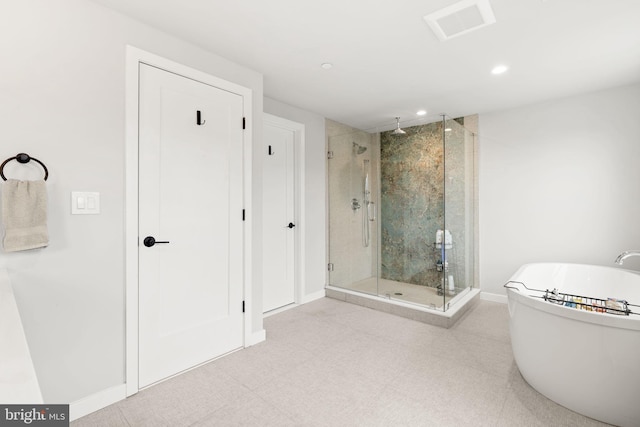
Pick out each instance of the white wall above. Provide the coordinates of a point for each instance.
(314, 203)
(62, 98)
(559, 181)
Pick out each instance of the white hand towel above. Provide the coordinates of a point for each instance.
(24, 215)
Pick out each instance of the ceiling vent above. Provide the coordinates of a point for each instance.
(460, 18)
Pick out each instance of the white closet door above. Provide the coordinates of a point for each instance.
(190, 195)
(279, 222)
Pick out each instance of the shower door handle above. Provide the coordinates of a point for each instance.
(291, 225)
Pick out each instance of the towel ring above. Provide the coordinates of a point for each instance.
(23, 158)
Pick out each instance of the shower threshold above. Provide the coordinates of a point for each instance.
(430, 314)
(407, 292)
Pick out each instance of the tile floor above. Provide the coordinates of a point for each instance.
(331, 363)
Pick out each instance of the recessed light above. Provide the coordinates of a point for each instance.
(327, 66)
(421, 112)
(447, 130)
(499, 69)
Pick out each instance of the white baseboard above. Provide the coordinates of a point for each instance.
(256, 337)
(97, 401)
(486, 296)
(312, 297)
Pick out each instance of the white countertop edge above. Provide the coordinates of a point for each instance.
(18, 380)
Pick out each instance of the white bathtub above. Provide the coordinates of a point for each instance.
(586, 361)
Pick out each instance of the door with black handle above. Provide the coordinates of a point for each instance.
(149, 241)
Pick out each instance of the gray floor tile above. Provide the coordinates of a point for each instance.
(532, 408)
(261, 363)
(487, 319)
(251, 411)
(182, 400)
(110, 416)
(331, 363)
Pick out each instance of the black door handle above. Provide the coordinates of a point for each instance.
(291, 225)
(150, 241)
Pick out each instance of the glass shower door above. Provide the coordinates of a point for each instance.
(352, 215)
(458, 177)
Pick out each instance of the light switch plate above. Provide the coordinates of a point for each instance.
(85, 203)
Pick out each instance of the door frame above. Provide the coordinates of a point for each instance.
(298, 130)
(134, 57)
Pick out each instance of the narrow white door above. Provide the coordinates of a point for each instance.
(190, 202)
(279, 222)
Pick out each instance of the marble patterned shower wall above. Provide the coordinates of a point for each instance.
(416, 173)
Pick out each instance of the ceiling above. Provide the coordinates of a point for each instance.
(387, 62)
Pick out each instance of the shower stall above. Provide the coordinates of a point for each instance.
(401, 213)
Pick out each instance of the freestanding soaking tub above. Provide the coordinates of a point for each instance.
(583, 354)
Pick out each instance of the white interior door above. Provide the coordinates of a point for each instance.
(278, 217)
(190, 196)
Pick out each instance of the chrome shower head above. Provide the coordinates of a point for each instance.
(359, 149)
(397, 130)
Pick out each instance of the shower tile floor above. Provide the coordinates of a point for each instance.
(407, 292)
(331, 363)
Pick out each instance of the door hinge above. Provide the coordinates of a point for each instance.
(329, 154)
(244, 123)
(330, 266)
(243, 214)
(243, 306)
